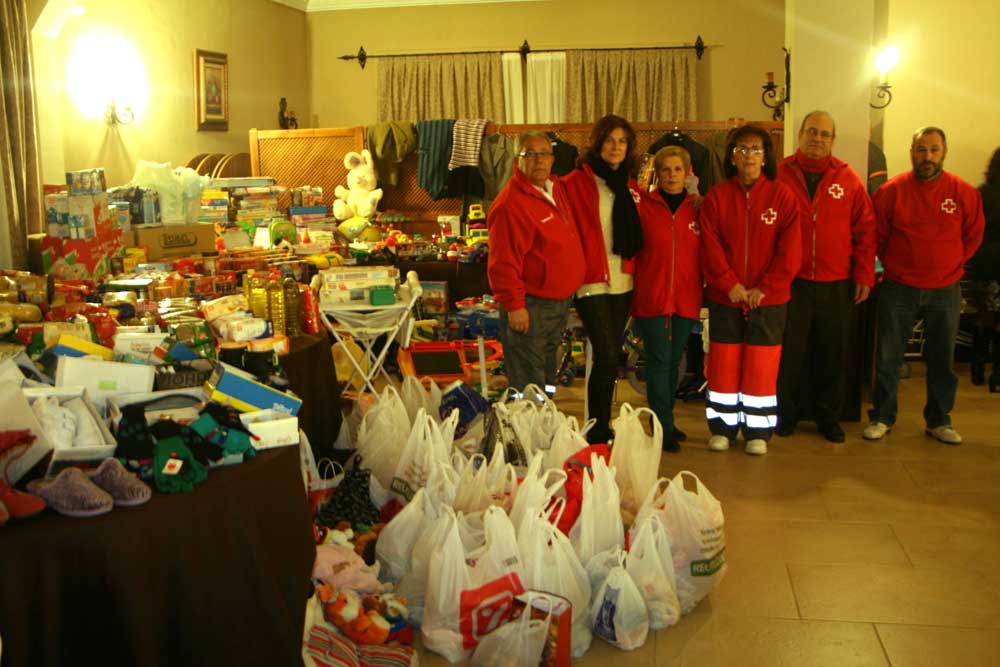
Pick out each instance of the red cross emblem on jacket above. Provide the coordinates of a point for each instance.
(836, 191)
(769, 216)
(948, 206)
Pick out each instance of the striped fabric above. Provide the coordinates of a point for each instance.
(466, 140)
(385, 656)
(434, 152)
(327, 648)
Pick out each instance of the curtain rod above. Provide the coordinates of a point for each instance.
(362, 57)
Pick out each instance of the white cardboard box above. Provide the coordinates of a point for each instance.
(64, 457)
(275, 429)
(104, 378)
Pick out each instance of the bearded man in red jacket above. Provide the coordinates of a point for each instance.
(838, 270)
(929, 223)
(535, 265)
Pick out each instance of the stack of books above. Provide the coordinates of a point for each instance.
(214, 207)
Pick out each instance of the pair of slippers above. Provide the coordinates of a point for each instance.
(78, 494)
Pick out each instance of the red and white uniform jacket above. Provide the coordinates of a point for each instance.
(837, 225)
(584, 202)
(927, 230)
(750, 237)
(668, 268)
(534, 245)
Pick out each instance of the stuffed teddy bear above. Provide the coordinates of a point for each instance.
(360, 197)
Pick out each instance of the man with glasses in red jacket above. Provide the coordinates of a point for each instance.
(535, 265)
(838, 271)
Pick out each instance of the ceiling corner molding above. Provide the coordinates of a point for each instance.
(301, 5)
(337, 5)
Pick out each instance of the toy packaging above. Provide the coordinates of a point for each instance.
(86, 181)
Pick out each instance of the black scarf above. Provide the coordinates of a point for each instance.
(626, 230)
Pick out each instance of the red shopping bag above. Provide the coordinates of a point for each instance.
(576, 467)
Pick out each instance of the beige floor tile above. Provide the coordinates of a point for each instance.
(602, 654)
(923, 646)
(813, 542)
(874, 505)
(754, 589)
(879, 594)
(955, 476)
(728, 640)
(739, 506)
(974, 549)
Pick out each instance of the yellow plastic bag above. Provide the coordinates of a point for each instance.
(342, 362)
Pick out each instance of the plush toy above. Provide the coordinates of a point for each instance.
(360, 197)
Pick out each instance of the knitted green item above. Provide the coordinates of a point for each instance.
(232, 440)
(191, 472)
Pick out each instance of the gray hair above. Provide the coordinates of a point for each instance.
(532, 134)
(818, 112)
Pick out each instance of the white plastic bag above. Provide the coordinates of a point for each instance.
(651, 567)
(516, 644)
(473, 491)
(394, 547)
(567, 440)
(382, 435)
(635, 455)
(599, 526)
(551, 565)
(536, 489)
(619, 614)
(414, 397)
(413, 584)
(696, 529)
(428, 442)
(465, 602)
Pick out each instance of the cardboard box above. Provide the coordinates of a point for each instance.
(175, 240)
(274, 429)
(57, 214)
(231, 386)
(86, 181)
(181, 405)
(68, 259)
(137, 348)
(68, 345)
(17, 415)
(62, 456)
(104, 378)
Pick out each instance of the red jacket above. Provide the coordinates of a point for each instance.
(584, 202)
(668, 268)
(837, 225)
(750, 237)
(534, 246)
(927, 229)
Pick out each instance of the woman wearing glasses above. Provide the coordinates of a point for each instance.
(603, 194)
(667, 295)
(750, 251)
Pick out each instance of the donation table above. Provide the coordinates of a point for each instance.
(215, 577)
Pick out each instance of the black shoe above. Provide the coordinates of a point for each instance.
(679, 435)
(978, 374)
(831, 431)
(785, 427)
(994, 384)
(671, 442)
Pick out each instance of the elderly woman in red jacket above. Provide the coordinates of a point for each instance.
(667, 295)
(750, 251)
(603, 196)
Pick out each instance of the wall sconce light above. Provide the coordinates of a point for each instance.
(885, 61)
(771, 98)
(113, 116)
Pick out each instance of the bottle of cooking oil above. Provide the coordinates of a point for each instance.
(292, 321)
(276, 305)
(257, 296)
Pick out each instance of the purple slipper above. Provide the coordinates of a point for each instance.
(124, 487)
(72, 494)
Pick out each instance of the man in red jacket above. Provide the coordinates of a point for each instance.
(535, 265)
(929, 223)
(838, 270)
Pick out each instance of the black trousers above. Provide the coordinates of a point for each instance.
(604, 317)
(814, 356)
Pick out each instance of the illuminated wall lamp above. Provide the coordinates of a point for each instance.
(114, 117)
(885, 61)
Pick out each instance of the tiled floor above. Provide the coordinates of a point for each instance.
(865, 553)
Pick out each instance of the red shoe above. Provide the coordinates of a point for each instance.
(18, 504)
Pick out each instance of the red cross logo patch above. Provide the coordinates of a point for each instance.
(836, 191)
(769, 216)
(948, 206)
(636, 197)
(693, 226)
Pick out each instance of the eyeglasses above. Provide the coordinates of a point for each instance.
(748, 150)
(813, 132)
(532, 155)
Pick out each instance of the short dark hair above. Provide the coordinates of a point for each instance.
(818, 112)
(993, 169)
(930, 129)
(770, 168)
(603, 128)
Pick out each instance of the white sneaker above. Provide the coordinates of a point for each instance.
(876, 431)
(757, 447)
(945, 434)
(718, 443)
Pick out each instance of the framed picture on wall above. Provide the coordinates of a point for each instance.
(211, 84)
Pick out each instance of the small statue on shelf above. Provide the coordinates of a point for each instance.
(286, 118)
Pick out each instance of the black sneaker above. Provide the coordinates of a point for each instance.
(679, 435)
(831, 431)
(671, 443)
(785, 427)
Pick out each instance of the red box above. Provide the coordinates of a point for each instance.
(84, 259)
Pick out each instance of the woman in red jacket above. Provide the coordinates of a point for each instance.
(603, 197)
(750, 252)
(667, 295)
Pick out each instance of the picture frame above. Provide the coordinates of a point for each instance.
(211, 84)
